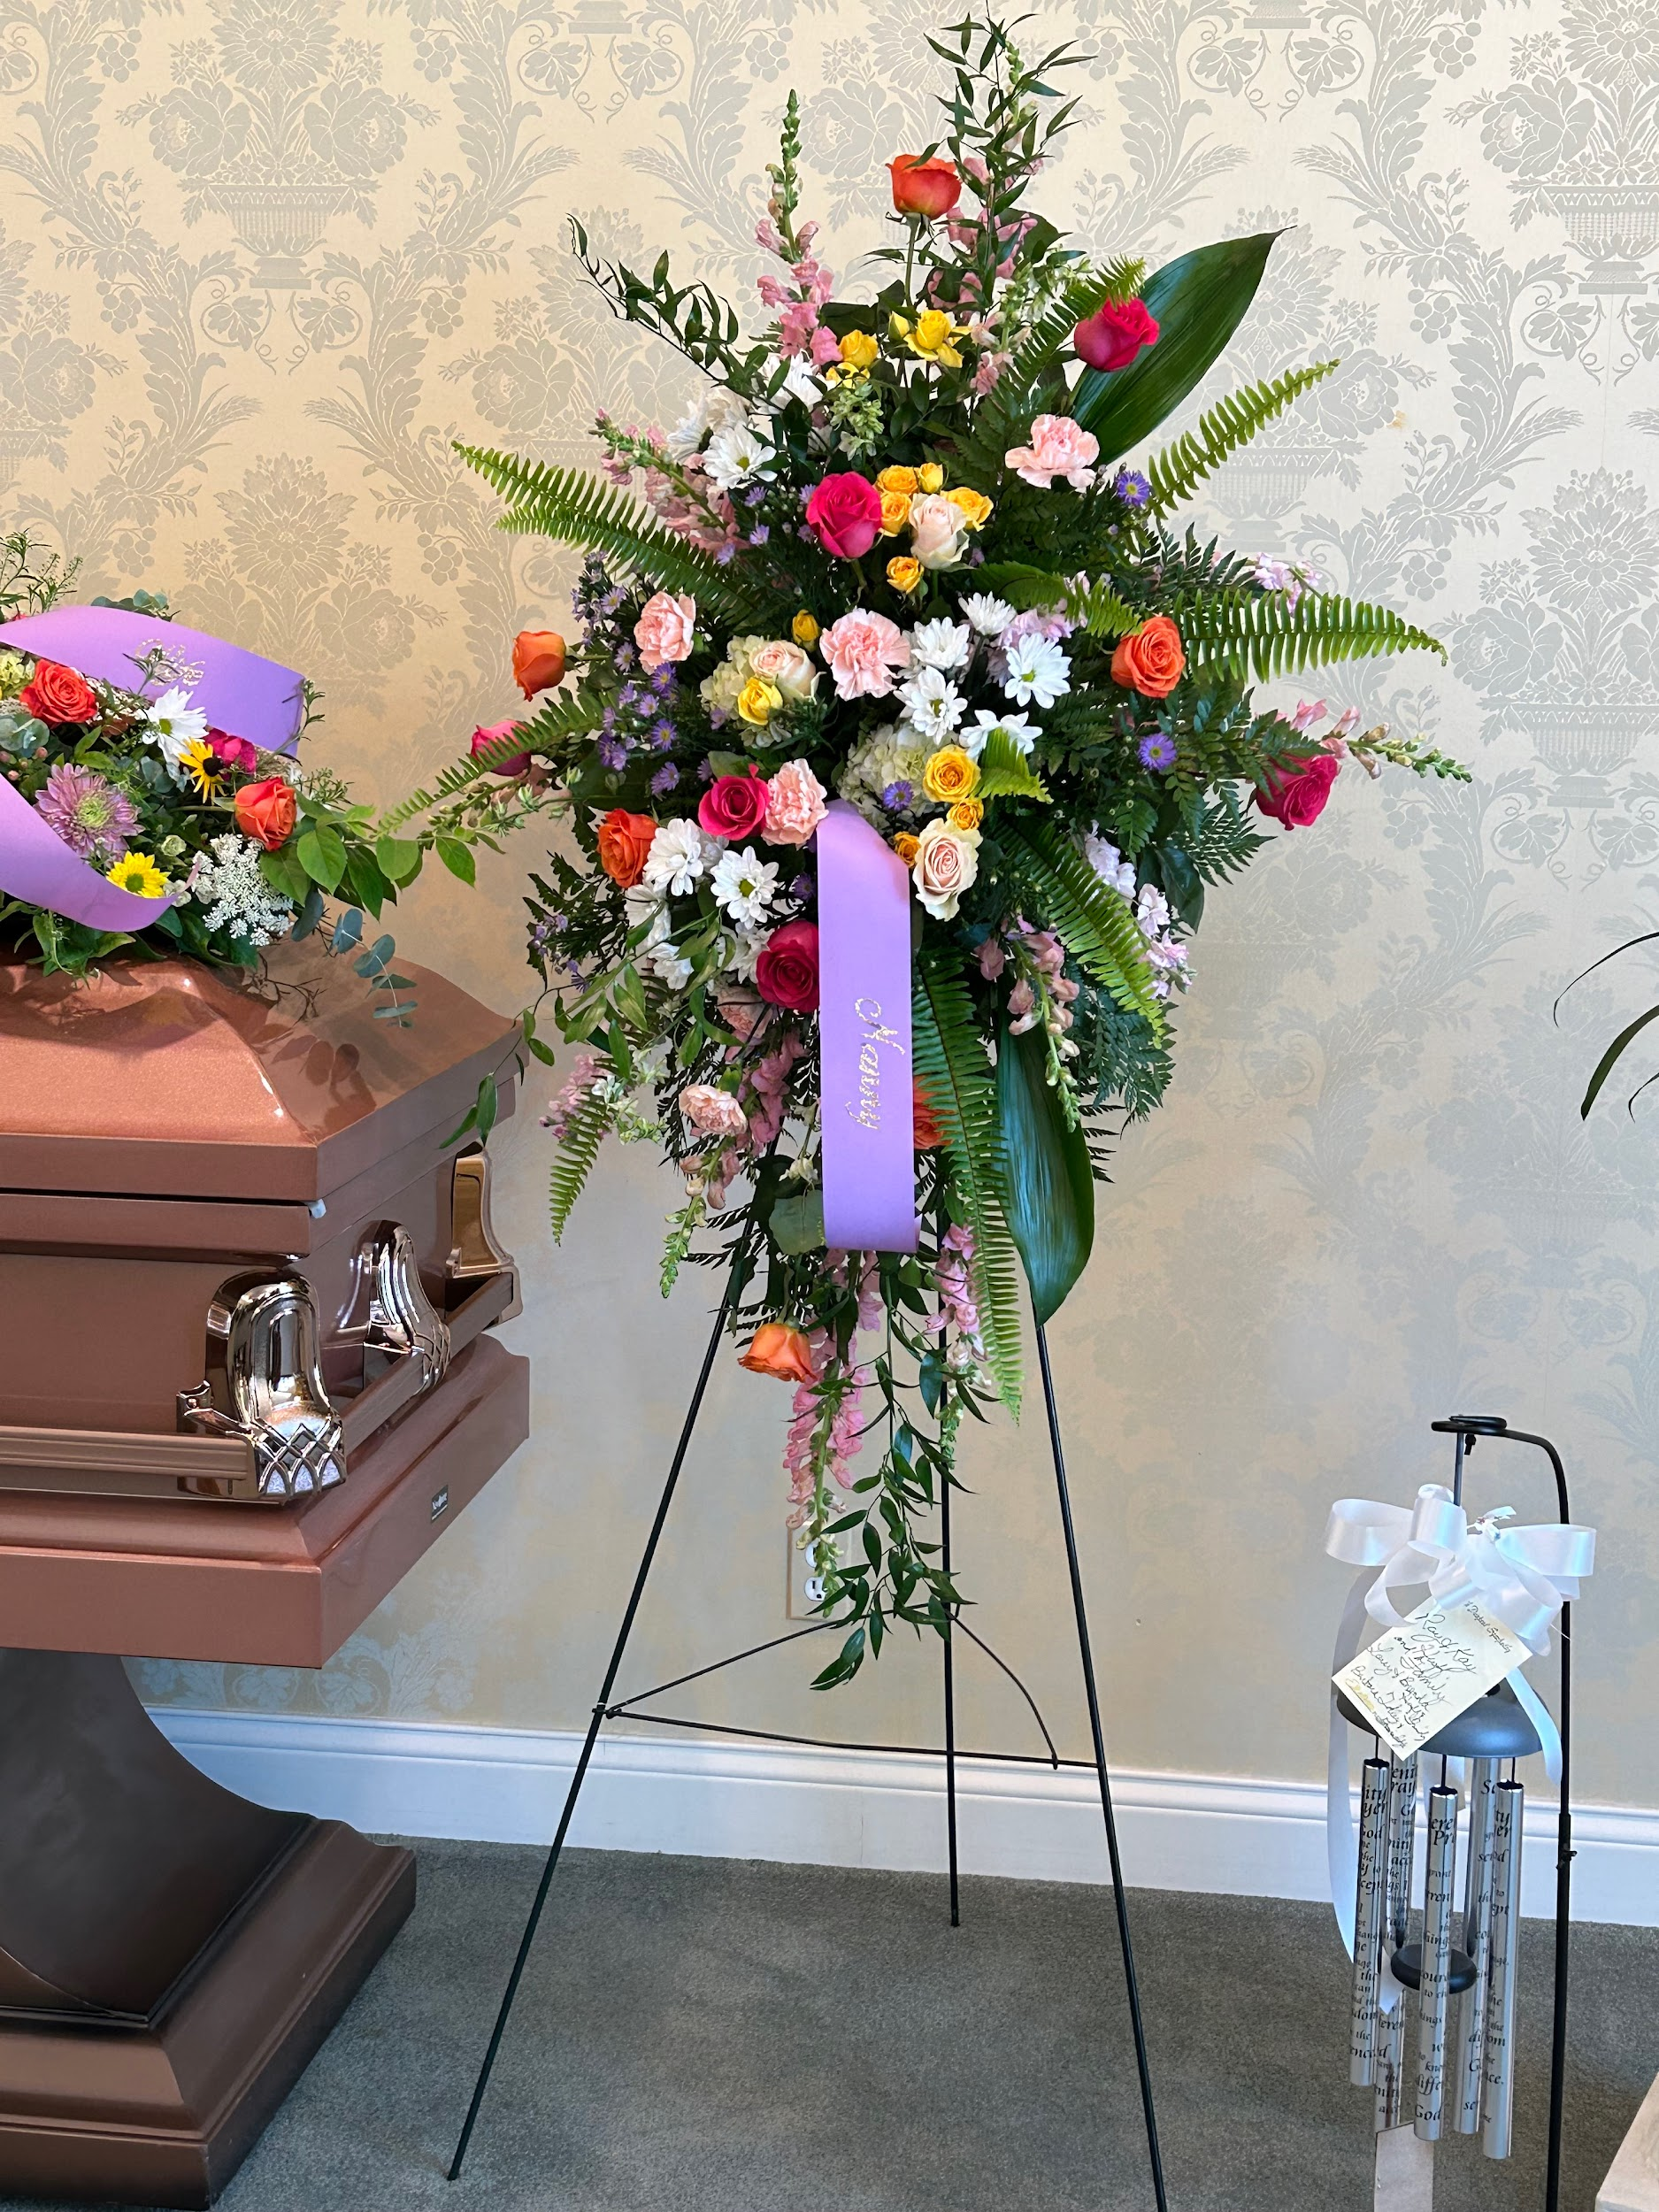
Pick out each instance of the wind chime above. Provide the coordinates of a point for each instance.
(1432, 2023)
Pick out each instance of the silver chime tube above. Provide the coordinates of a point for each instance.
(1509, 1806)
(1391, 2041)
(1439, 1882)
(1371, 1905)
(1391, 2055)
(1482, 1783)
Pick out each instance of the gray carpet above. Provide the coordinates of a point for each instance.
(719, 2036)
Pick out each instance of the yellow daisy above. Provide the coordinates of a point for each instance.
(138, 871)
(202, 768)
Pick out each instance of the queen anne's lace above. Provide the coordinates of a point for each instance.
(238, 899)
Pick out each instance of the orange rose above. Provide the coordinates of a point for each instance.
(623, 840)
(777, 1349)
(538, 661)
(267, 813)
(1150, 660)
(929, 1135)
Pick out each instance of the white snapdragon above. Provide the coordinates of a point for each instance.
(942, 644)
(1018, 729)
(681, 854)
(933, 705)
(988, 616)
(1037, 669)
(226, 879)
(744, 885)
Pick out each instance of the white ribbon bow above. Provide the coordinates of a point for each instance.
(1522, 1575)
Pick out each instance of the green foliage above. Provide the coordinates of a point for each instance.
(1176, 474)
(1261, 634)
(1005, 772)
(31, 578)
(1020, 390)
(564, 716)
(584, 1132)
(1096, 923)
(1048, 1182)
(952, 1067)
(1118, 1055)
(1093, 604)
(574, 507)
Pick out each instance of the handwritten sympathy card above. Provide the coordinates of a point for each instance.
(1411, 1681)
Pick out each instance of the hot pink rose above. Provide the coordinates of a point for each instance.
(664, 631)
(846, 513)
(787, 971)
(735, 807)
(236, 752)
(1057, 448)
(796, 805)
(863, 650)
(1113, 335)
(1298, 798)
(515, 765)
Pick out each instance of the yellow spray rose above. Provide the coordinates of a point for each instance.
(895, 512)
(758, 701)
(904, 573)
(930, 476)
(805, 629)
(950, 775)
(976, 507)
(967, 814)
(899, 478)
(932, 336)
(906, 846)
(859, 350)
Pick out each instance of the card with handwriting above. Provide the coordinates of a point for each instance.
(1411, 1681)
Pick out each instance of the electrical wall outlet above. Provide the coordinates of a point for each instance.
(801, 1590)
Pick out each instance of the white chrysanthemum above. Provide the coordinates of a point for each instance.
(990, 616)
(656, 952)
(799, 383)
(717, 408)
(1109, 865)
(737, 453)
(744, 885)
(172, 724)
(226, 879)
(743, 951)
(941, 644)
(933, 705)
(1018, 729)
(1037, 669)
(680, 853)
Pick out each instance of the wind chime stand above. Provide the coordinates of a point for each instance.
(602, 1710)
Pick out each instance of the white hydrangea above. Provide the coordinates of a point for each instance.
(718, 692)
(1018, 729)
(744, 885)
(656, 952)
(1037, 669)
(1109, 865)
(990, 616)
(226, 879)
(681, 854)
(933, 705)
(942, 644)
(887, 760)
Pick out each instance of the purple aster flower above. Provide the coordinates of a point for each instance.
(613, 753)
(629, 695)
(1158, 749)
(759, 535)
(666, 777)
(1132, 488)
(87, 811)
(608, 721)
(724, 555)
(896, 797)
(626, 656)
(803, 887)
(662, 735)
(662, 678)
(755, 495)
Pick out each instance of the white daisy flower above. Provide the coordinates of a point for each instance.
(1109, 865)
(990, 616)
(933, 705)
(738, 453)
(656, 952)
(680, 855)
(942, 644)
(1037, 669)
(1018, 729)
(743, 960)
(172, 724)
(717, 408)
(744, 885)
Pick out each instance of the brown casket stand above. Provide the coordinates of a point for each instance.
(244, 1383)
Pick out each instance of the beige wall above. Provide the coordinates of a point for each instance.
(264, 258)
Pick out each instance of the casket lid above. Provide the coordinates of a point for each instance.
(168, 1079)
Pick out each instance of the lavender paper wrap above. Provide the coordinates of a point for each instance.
(241, 693)
(37, 867)
(869, 1129)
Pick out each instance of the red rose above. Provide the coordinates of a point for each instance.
(1115, 334)
(787, 973)
(515, 765)
(267, 813)
(56, 694)
(930, 188)
(236, 752)
(846, 513)
(1297, 797)
(735, 807)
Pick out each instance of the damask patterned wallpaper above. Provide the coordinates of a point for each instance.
(263, 258)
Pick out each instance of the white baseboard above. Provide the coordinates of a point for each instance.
(717, 1797)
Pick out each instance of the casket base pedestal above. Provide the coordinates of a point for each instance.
(171, 1957)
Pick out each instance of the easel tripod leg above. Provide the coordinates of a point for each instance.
(950, 1707)
(1120, 1901)
(593, 1726)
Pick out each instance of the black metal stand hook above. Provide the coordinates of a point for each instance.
(1467, 1428)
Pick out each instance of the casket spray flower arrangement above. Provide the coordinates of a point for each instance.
(131, 823)
(907, 731)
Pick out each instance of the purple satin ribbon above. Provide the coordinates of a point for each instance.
(37, 867)
(241, 693)
(869, 1116)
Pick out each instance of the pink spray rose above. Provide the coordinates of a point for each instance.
(795, 807)
(1057, 448)
(735, 807)
(863, 650)
(1113, 335)
(845, 511)
(483, 738)
(663, 630)
(1298, 798)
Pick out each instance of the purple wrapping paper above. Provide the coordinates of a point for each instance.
(36, 866)
(869, 1129)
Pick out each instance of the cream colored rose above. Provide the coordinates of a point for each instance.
(786, 666)
(946, 862)
(938, 530)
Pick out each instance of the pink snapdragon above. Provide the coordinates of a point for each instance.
(588, 1070)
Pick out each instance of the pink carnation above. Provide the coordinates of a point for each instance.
(863, 650)
(664, 631)
(1057, 448)
(794, 804)
(712, 1113)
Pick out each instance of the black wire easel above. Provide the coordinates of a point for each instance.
(605, 1710)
